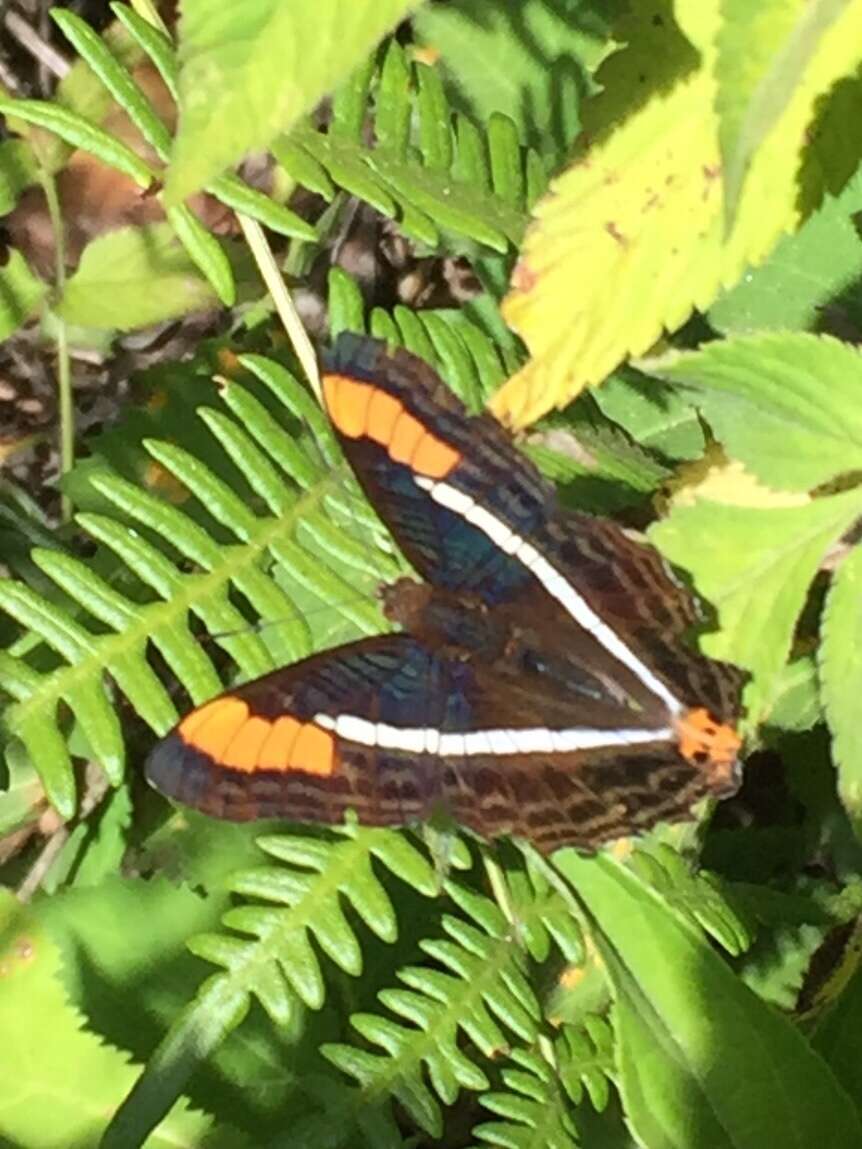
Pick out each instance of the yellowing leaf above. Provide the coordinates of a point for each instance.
(763, 48)
(630, 239)
(731, 484)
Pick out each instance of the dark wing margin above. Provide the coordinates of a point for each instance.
(583, 799)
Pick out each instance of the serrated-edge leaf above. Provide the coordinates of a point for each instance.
(841, 675)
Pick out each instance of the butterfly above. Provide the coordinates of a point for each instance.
(543, 683)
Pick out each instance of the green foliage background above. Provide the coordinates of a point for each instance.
(179, 981)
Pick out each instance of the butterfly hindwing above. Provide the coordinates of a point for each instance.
(634, 590)
(395, 730)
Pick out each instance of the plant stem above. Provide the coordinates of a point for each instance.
(64, 366)
(277, 288)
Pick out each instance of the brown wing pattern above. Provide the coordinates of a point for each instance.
(507, 705)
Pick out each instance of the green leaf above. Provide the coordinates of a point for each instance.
(796, 705)
(785, 405)
(755, 566)
(205, 252)
(699, 896)
(77, 131)
(453, 206)
(763, 52)
(201, 851)
(534, 1110)
(235, 194)
(21, 292)
(658, 418)
(22, 794)
(789, 931)
(131, 278)
(268, 954)
(39, 734)
(812, 279)
(17, 171)
(60, 1092)
(840, 661)
(393, 105)
(249, 73)
(702, 1061)
(96, 846)
(440, 182)
(152, 41)
(261, 533)
(346, 306)
(116, 78)
(129, 982)
(528, 59)
(838, 1036)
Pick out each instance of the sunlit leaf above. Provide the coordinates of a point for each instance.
(249, 73)
(788, 406)
(810, 280)
(536, 79)
(755, 567)
(60, 1092)
(763, 49)
(630, 239)
(840, 659)
(702, 1061)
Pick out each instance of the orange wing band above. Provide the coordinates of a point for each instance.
(227, 732)
(360, 410)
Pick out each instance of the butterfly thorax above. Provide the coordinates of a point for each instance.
(457, 624)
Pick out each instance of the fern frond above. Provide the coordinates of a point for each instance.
(465, 355)
(697, 894)
(585, 1057)
(533, 1107)
(268, 956)
(476, 985)
(445, 180)
(274, 960)
(429, 166)
(277, 549)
